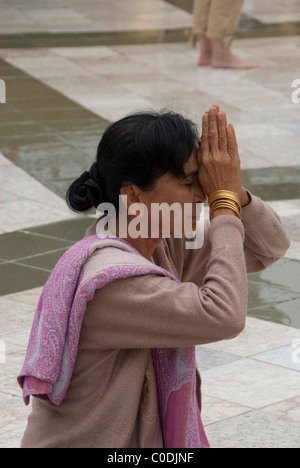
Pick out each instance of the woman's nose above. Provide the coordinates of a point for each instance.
(200, 195)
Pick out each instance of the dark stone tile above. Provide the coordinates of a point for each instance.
(15, 278)
(285, 274)
(9, 114)
(44, 103)
(273, 183)
(26, 87)
(26, 128)
(252, 28)
(44, 261)
(20, 244)
(186, 5)
(59, 114)
(72, 230)
(13, 41)
(262, 293)
(47, 135)
(286, 313)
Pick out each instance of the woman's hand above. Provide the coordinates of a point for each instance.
(219, 160)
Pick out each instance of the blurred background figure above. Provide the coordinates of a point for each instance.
(215, 22)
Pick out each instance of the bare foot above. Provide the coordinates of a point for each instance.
(230, 60)
(224, 58)
(205, 59)
(206, 51)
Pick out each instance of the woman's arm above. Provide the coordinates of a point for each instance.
(265, 243)
(266, 240)
(220, 169)
(154, 312)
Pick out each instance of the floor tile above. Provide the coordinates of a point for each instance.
(259, 337)
(286, 313)
(262, 293)
(31, 296)
(12, 439)
(72, 230)
(245, 431)
(207, 358)
(15, 278)
(12, 411)
(51, 134)
(22, 214)
(284, 357)
(215, 410)
(276, 183)
(46, 261)
(287, 408)
(241, 382)
(20, 245)
(15, 317)
(284, 273)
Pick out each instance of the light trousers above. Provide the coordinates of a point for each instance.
(217, 19)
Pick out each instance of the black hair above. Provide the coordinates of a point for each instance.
(137, 149)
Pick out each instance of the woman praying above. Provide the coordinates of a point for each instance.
(111, 357)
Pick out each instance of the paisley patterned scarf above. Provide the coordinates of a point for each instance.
(54, 339)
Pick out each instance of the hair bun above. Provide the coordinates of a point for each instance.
(86, 192)
(91, 186)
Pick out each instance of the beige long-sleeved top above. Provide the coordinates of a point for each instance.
(108, 404)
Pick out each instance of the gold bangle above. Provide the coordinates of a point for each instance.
(225, 204)
(224, 194)
(226, 201)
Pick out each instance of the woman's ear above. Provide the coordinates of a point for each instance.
(130, 194)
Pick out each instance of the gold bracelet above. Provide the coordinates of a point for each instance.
(225, 204)
(224, 194)
(226, 201)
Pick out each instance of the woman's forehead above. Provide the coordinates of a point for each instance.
(191, 167)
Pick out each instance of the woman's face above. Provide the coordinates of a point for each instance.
(186, 193)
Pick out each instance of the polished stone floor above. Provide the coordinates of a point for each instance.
(72, 67)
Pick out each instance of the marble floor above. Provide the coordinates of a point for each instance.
(72, 67)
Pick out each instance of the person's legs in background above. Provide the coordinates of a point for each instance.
(201, 18)
(215, 22)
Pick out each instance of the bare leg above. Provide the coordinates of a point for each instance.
(206, 51)
(224, 58)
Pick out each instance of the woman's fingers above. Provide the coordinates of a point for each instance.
(205, 130)
(221, 118)
(213, 133)
(232, 146)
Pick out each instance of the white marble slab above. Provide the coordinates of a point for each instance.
(251, 383)
(259, 336)
(255, 429)
(25, 202)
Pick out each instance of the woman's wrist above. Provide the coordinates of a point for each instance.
(244, 197)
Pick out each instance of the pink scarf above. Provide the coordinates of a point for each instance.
(54, 339)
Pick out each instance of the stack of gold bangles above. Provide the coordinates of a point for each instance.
(225, 199)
